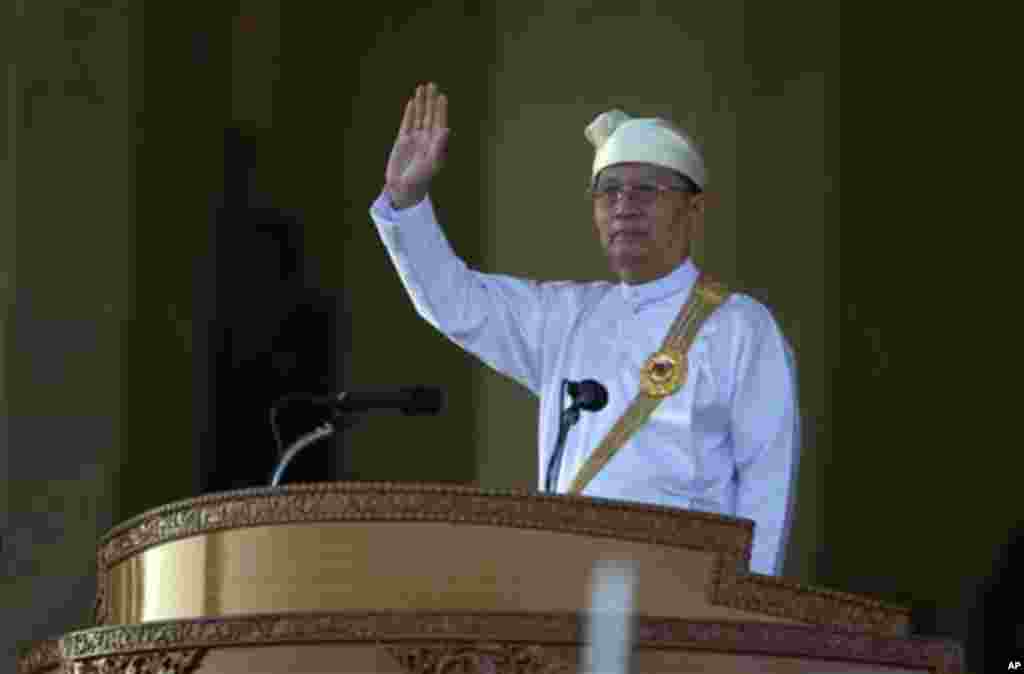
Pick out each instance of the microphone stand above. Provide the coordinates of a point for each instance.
(568, 419)
(304, 441)
(415, 401)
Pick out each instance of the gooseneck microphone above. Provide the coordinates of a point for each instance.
(412, 401)
(588, 395)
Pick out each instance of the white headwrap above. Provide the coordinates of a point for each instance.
(620, 138)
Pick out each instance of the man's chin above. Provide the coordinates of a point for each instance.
(618, 254)
(625, 264)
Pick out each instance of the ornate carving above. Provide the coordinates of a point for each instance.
(802, 641)
(479, 658)
(730, 538)
(41, 656)
(169, 662)
(102, 579)
(387, 502)
(291, 627)
(735, 587)
(550, 630)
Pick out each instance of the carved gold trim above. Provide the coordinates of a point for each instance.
(788, 640)
(40, 656)
(162, 662)
(431, 629)
(442, 503)
(479, 657)
(729, 537)
(102, 581)
(735, 587)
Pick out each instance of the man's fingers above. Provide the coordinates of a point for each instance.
(407, 118)
(431, 96)
(441, 120)
(417, 111)
(426, 110)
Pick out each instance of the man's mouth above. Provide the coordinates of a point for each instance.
(630, 234)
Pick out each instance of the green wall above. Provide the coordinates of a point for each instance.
(117, 131)
(344, 81)
(74, 105)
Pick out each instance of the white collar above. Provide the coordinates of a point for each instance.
(680, 279)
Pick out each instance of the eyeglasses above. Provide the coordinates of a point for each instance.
(644, 194)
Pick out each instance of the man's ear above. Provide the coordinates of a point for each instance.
(698, 203)
(702, 200)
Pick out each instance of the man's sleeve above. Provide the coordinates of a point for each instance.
(766, 436)
(498, 318)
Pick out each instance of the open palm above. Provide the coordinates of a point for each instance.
(419, 150)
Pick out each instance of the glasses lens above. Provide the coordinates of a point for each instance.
(644, 193)
(641, 193)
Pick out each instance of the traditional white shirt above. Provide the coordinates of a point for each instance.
(727, 442)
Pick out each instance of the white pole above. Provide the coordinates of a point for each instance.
(610, 625)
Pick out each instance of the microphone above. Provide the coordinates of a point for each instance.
(587, 395)
(412, 401)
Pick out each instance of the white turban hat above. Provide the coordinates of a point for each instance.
(619, 138)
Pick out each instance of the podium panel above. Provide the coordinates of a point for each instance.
(369, 577)
(396, 566)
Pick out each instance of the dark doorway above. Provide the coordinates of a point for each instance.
(269, 334)
(995, 627)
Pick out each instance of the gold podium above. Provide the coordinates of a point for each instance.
(408, 578)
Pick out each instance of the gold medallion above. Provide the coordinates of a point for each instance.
(663, 373)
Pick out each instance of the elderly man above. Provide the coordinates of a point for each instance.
(701, 411)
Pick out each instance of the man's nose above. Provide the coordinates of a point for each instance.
(627, 206)
(629, 199)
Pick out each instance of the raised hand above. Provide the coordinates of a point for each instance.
(419, 150)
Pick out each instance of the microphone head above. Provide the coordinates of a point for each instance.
(589, 395)
(423, 400)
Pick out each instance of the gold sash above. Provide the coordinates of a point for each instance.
(662, 374)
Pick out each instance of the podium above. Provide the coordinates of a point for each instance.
(410, 578)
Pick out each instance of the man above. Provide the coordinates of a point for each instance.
(712, 413)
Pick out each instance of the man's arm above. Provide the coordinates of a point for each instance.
(766, 436)
(497, 318)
